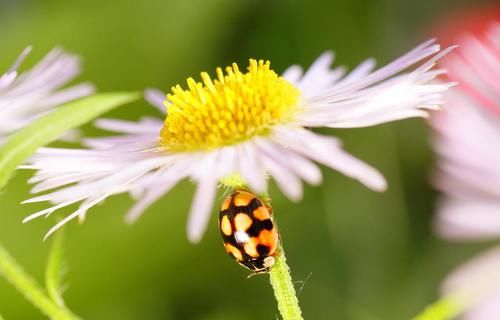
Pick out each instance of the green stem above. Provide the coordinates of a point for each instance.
(25, 284)
(284, 291)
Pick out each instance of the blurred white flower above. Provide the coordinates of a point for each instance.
(468, 143)
(251, 124)
(33, 93)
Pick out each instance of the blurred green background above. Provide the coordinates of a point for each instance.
(355, 254)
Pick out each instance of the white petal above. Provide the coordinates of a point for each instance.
(20, 59)
(201, 208)
(365, 121)
(318, 77)
(81, 211)
(358, 73)
(300, 165)
(53, 182)
(27, 96)
(328, 151)
(227, 162)
(91, 174)
(157, 99)
(364, 99)
(49, 211)
(250, 167)
(288, 182)
(158, 185)
(64, 95)
(145, 125)
(319, 68)
(293, 74)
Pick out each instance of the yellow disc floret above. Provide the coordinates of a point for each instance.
(233, 108)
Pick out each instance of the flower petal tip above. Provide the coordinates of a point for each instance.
(26, 220)
(380, 185)
(193, 237)
(295, 197)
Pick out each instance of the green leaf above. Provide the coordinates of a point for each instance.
(26, 141)
(55, 270)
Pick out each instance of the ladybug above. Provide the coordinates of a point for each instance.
(248, 231)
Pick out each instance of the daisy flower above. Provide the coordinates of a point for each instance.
(253, 124)
(468, 143)
(33, 93)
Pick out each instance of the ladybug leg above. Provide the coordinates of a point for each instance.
(256, 273)
(269, 208)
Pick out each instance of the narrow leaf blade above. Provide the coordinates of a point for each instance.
(26, 141)
(55, 270)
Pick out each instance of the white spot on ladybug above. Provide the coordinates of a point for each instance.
(241, 237)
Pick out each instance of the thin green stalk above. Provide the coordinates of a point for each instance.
(26, 285)
(284, 291)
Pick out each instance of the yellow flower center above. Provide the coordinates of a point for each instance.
(233, 108)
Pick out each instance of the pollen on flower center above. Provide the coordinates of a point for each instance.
(232, 108)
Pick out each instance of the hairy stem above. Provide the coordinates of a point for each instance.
(284, 291)
(27, 286)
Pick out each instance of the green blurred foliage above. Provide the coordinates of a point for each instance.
(355, 254)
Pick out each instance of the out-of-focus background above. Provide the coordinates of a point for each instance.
(355, 254)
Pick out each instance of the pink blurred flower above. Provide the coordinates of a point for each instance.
(468, 143)
(474, 19)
